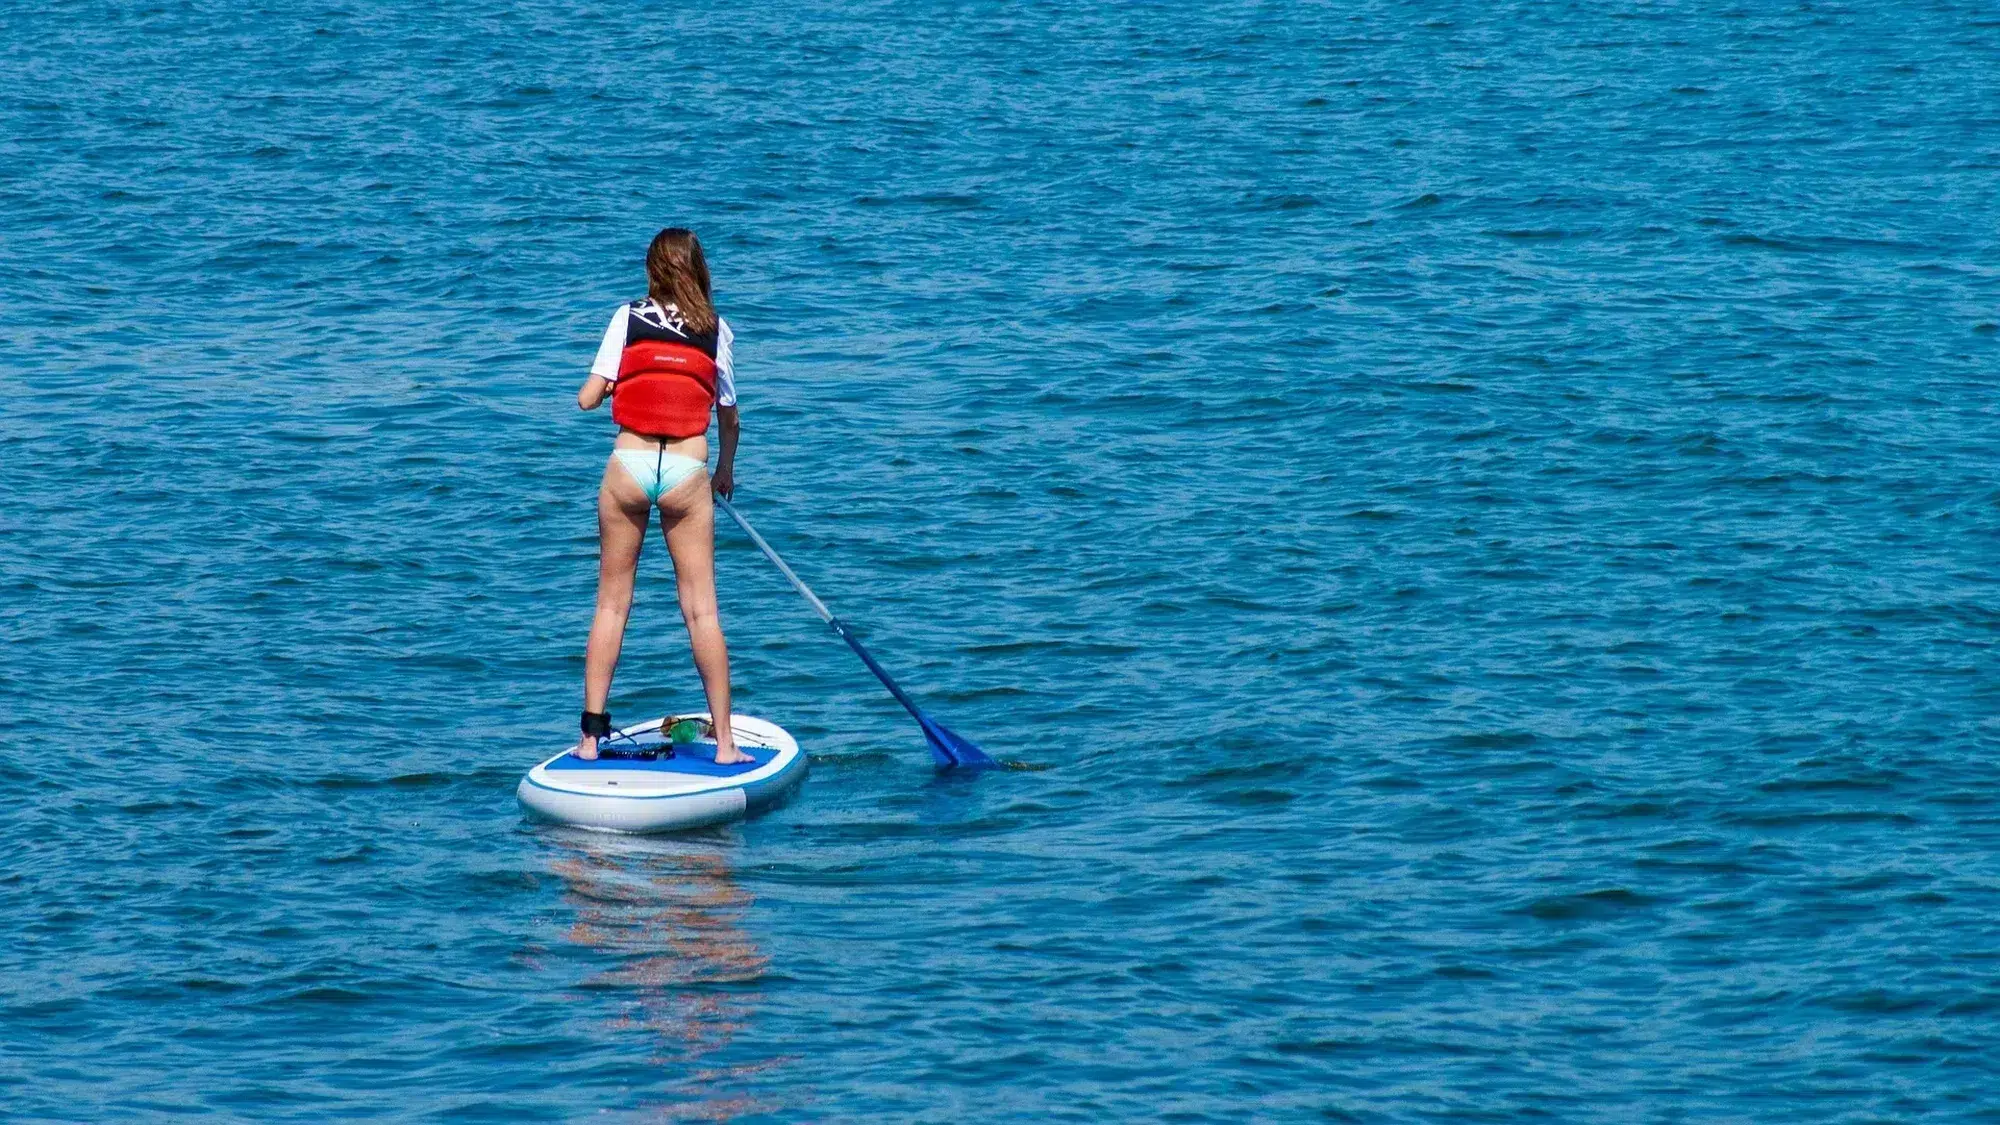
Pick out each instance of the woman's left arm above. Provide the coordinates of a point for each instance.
(604, 368)
(728, 427)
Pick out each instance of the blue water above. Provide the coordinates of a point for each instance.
(1482, 519)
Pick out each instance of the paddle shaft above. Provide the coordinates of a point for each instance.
(819, 607)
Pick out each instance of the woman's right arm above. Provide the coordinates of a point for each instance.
(728, 427)
(727, 423)
(593, 393)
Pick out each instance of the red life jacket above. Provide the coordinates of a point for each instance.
(666, 374)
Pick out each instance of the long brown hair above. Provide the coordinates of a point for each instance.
(677, 274)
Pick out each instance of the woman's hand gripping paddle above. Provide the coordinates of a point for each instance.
(948, 750)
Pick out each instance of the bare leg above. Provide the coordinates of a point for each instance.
(622, 512)
(687, 521)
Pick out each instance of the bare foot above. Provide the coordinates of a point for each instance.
(587, 749)
(729, 755)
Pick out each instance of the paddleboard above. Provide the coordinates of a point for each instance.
(641, 782)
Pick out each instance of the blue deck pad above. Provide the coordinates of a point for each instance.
(689, 757)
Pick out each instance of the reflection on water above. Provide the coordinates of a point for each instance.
(666, 917)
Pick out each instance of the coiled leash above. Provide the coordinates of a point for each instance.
(599, 723)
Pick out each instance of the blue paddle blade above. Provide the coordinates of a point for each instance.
(951, 751)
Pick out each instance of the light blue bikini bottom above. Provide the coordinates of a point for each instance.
(655, 470)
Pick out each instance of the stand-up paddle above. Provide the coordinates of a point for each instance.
(948, 750)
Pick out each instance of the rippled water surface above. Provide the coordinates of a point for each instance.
(1480, 517)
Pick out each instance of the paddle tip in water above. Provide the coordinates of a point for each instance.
(953, 751)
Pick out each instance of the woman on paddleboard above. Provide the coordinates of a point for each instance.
(665, 364)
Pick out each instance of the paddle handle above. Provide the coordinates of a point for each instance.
(798, 584)
(880, 673)
(819, 607)
(947, 749)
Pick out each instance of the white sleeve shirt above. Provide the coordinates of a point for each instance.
(725, 364)
(612, 349)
